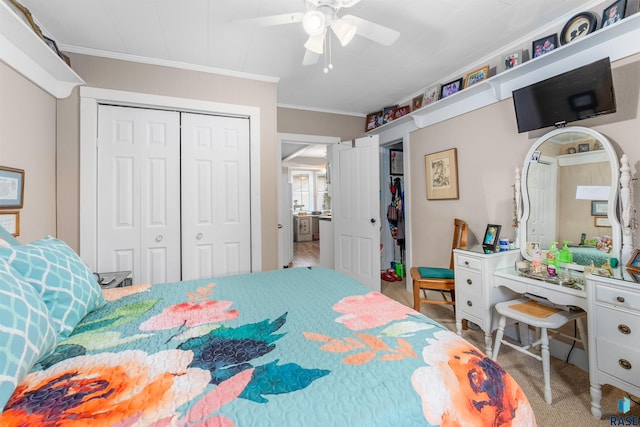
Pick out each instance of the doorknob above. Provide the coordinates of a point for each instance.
(279, 226)
(199, 236)
(159, 238)
(373, 220)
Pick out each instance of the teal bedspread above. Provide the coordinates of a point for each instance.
(295, 347)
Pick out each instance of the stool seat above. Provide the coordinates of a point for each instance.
(533, 313)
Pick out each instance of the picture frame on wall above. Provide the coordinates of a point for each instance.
(544, 45)
(10, 221)
(441, 170)
(613, 13)
(634, 261)
(476, 76)
(449, 88)
(599, 208)
(578, 26)
(491, 236)
(396, 162)
(601, 221)
(11, 187)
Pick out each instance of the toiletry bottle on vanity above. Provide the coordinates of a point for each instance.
(552, 257)
(536, 262)
(565, 256)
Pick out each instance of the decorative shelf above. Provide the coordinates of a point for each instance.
(616, 41)
(24, 51)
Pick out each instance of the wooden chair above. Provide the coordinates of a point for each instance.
(439, 279)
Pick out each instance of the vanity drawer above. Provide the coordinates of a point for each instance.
(618, 297)
(470, 302)
(469, 262)
(619, 326)
(619, 361)
(469, 281)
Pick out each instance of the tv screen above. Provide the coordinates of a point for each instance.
(578, 94)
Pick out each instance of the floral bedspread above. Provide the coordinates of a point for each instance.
(285, 348)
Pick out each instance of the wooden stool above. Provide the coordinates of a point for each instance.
(540, 316)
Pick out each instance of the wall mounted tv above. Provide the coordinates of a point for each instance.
(578, 94)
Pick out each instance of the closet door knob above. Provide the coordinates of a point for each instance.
(159, 238)
(469, 303)
(199, 236)
(469, 281)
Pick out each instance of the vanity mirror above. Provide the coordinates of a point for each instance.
(571, 192)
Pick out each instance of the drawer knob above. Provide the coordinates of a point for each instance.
(466, 263)
(469, 281)
(620, 299)
(469, 303)
(624, 363)
(624, 329)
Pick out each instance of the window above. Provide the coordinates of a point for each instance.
(309, 191)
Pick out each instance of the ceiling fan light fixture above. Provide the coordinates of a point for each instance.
(343, 30)
(314, 22)
(315, 43)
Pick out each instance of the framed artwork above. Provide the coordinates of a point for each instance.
(601, 221)
(544, 45)
(395, 160)
(448, 89)
(634, 261)
(402, 111)
(535, 157)
(476, 76)
(416, 103)
(579, 26)
(432, 94)
(613, 13)
(599, 207)
(491, 235)
(635, 275)
(373, 120)
(11, 187)
(583, 148)
(442, 174)
(10, 221)
(510, 59)
(389, 114)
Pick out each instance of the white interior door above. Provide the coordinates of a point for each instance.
(216, 209)
(356, 209)
(542, 186)
(138, 185)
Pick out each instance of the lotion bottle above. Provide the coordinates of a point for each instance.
(536, 262)
(565, 255)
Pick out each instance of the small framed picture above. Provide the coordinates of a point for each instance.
(373, 121)
(10, 221)
(544, 45)
(402, 111)
(510, 60)
(613, 13)
(476, 76)
(601, 221)
(416, 103)
(431, 95)
(395, 159)
(634, 261)
(389, 114)
(11, 187)
(491, 235)
(635, 275)
(579, 26)
(52, 44)
(535, 157)
(448, 89)
(599, 207)
(583, 148)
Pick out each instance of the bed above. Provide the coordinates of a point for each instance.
(300, 346)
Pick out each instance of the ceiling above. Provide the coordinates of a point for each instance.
(439, 39)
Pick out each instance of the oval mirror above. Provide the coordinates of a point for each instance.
(569, 189)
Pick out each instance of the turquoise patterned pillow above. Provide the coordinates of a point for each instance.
(63, 280)
(26, 331)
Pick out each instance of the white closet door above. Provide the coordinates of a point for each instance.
(216, 227)
(139, 193)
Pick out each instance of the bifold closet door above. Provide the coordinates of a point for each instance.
(139, 193)
(216, 209)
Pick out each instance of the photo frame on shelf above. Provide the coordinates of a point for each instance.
(510, 59)
(633, 6)
(599, 207)
(396, 162)
(416, 102)
(52, 44)
(431, 95)
(442, 174)
(613, 13)
(373, 120)
(476, 76)
(388, 114)
(583, 148)
(10, 221)
(11, 187)
(402, 111)
(578, 26)
(634, 261)
(449, 88)
(491, 236)
(544, 45)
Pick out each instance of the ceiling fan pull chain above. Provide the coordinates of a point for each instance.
(328, 66)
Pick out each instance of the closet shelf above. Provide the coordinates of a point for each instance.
(616, 42)
(24, 51)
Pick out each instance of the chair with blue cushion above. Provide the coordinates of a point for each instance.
(438, 278)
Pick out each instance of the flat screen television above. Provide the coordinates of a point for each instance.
(578, 94)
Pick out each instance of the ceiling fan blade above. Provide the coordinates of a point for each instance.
(373, 31)
(310, 57)
(268, 21)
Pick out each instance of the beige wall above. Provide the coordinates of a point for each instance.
(489, 149)
(166, 81)
(28, 142)
(322, 124)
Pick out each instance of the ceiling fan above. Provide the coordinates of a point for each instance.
(322, 15)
